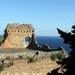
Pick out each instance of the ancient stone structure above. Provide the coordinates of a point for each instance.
(18, 35)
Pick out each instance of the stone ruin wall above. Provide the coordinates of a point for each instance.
(16, 35)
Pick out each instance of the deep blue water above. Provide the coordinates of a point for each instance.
(52, 42)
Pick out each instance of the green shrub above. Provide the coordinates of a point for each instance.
(53, 56)
(60, 56)
(20, 57)
(1, 67)
(31, 59)
(1, 39)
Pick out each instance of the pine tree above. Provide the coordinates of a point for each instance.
(69, 38)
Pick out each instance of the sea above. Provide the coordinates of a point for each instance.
(53, 42)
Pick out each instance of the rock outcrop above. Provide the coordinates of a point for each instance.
(18, 35)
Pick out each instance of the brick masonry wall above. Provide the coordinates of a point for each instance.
(16, 35)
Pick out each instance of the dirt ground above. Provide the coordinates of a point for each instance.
(21, 67)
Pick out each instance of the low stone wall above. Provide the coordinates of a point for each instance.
(24, 53)
(15, 53)
(7, 57)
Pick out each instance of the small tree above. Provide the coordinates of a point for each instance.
(5, 33)
(32, 44)
(4, 36)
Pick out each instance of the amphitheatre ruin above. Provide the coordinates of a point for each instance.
(18, 35)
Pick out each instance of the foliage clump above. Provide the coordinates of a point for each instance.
(1, 39)
(31, 60)
(57, 56)
(1, 67)
(53, 57)
(69, 62)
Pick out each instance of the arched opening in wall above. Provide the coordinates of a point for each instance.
(27, 40)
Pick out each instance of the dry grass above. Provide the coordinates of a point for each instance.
(21, 67)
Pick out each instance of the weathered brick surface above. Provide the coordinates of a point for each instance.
(16, 35)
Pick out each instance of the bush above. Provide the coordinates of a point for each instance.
(1, 67)
(53, 56)
(1, 39)
(20, 57)
(31, 59)
(60, 56)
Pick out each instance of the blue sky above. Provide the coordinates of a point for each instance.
(44, 15)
